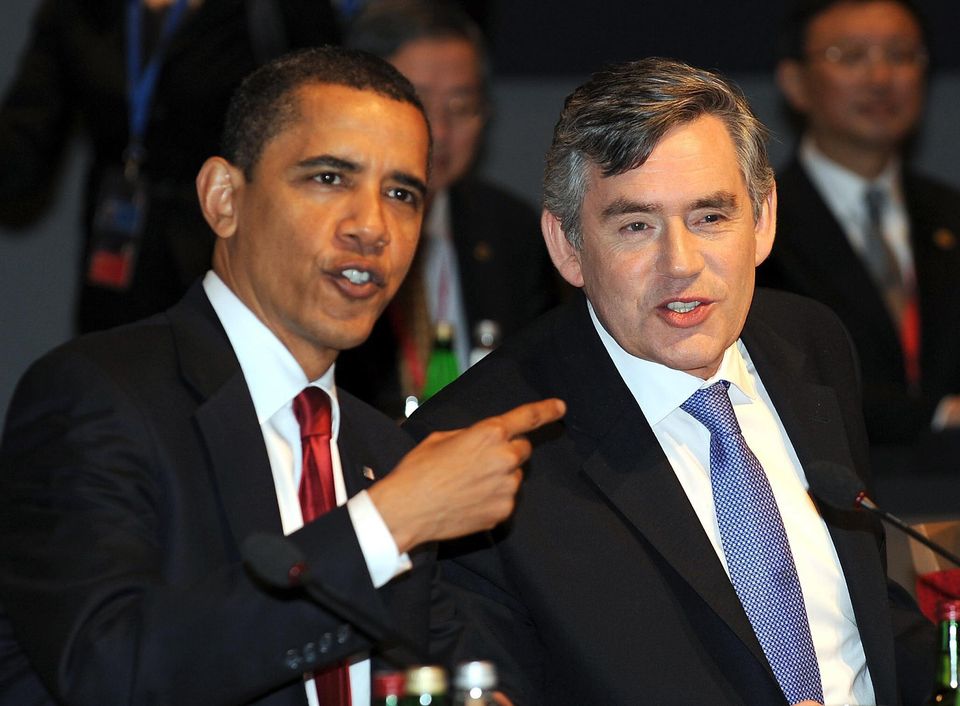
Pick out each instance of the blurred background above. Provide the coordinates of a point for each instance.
(541, 49)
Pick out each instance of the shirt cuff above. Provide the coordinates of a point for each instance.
(384, 560)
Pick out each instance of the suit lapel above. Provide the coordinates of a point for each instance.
(360, 469)
(226, 419)
(624, 461)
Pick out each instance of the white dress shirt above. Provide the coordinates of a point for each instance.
(274, 378)
(843, 192)
(659, 391)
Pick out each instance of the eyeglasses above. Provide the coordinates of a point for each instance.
(456, 108)
(857, 57)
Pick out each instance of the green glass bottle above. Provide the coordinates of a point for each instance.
(442, 367)
(946, 690)
(425, 686)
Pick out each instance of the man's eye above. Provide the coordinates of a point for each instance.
(712, 218)
(331, 178)
(404, 195)
(637, 227)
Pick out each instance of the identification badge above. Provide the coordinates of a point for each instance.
(117, 228)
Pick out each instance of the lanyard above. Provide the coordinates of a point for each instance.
(141, 81)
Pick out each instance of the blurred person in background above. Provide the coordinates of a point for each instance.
(146, 82)
(862, 232)
(481, 258)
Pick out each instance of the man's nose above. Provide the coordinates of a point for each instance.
(365, 227)
(679, 255)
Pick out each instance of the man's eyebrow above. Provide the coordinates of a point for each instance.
(720, 199)
(328, 160)
(410, 181)
(345, 165)
(622, 206)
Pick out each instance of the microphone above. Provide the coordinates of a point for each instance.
(838, 487)
(280, 563)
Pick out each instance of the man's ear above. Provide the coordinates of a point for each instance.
(566, 258)
(793, 85)
(765, 229)
(217, 185)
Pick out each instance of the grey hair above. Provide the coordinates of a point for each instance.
(616, 119)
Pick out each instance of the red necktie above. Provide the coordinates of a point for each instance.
(318, 495)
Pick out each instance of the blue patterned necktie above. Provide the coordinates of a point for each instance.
(756, 547)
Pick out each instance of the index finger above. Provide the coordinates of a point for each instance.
(532, 415)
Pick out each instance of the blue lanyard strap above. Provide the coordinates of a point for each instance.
(141, 81)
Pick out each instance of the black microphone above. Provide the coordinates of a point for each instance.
(280, 563)
(838, 487)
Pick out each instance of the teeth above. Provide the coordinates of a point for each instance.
(356, 276)
(682, 307)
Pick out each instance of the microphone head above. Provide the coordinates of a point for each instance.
(275, 560)
(835, 485)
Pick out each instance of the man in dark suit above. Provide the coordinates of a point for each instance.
(137, 461)
(634, 569)
(855, 72)
(481, 257)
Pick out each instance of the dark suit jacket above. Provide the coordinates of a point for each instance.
(505, 275)
(812, 256)
(133, 467)
(603, 587)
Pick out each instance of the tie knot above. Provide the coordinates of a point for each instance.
(312, 410)
(711, 407)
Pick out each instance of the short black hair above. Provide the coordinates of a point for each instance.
(792, 40)
(265, 102)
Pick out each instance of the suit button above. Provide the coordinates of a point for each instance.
(310, 652)
(343, 634)
(293, 660)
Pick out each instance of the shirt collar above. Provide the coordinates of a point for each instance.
(842, 188)
(660, 390)
(272, 374)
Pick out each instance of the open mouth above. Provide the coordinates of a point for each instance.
(683, 307)
(355, 276)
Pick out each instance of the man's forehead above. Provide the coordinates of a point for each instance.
(363, 127)
(859, 18)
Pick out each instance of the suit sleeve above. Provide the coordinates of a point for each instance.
(496, 625)
(117, 589)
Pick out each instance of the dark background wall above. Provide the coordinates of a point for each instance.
(541, 37)
(541, 50)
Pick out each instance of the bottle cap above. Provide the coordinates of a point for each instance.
(487, 333)
(387, 684)
(426, 680)
(948, 610)
(444, 331)
(475, 674)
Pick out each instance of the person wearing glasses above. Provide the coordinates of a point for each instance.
(862, 232)
(481, 258)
